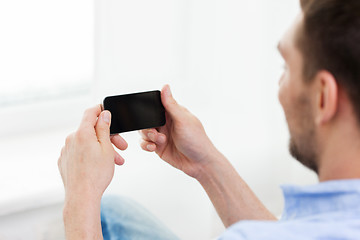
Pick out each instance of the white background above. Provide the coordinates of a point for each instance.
(221, 62)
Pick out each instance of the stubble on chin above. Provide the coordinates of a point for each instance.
(305, 153)
(302, 144)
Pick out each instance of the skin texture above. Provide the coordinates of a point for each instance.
(183, 143)
(86, 165)
(321, 119)
(322, 125)
(296, 101)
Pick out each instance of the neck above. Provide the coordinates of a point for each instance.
(340, 156)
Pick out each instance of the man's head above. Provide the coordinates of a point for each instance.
(322, 68)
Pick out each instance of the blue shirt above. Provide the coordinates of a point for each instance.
(328, 210)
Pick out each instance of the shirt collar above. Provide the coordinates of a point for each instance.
(324, 197)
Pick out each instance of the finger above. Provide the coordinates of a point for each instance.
(119, 160)
(147, 133)
(148, 146)
(152, 135)
(170, 104)
(90, 116)
(102, 128)
(119, 142)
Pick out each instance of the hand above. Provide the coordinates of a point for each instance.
(182, 142)
(87, 160)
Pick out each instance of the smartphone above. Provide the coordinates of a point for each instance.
(135, 111)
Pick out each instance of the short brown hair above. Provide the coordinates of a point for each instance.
(329, 39)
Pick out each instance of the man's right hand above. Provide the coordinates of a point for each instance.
(182, 141)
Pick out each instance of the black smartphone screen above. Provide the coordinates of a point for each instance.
(135, 111)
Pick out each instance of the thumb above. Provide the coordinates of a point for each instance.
(102, 127)
(170, 104)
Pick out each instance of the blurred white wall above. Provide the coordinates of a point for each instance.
(221, 61)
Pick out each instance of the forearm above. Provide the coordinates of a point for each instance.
(230, 195)
(82, 219)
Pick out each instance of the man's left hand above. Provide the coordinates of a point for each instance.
(87, 160)
(86, 165)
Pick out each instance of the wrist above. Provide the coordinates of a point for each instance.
(208, 168)
(82, 192)
(82, 217)
(77, 200)
(80, 205)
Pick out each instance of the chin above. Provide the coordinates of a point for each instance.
(304, 153)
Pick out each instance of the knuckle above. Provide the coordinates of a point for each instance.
(173, 101)
(198, 124)
(62, 153)
(68, 139)
(144, 134)
(101, 126)
(143, 145)
(59, 162)
(87, 111)
(80, 135)
(144, 131)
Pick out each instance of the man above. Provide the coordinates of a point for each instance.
(320, 94)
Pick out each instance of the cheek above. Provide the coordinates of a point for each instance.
(285, 96)
(288, 109)
(284, 101)
(287, 89)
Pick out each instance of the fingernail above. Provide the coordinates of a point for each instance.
(150, 147)
(161, 139)
(151, 136)
(106, 116)
(168, 91)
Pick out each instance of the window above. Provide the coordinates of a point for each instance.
(47, 49)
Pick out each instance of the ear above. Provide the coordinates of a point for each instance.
(326, 98)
